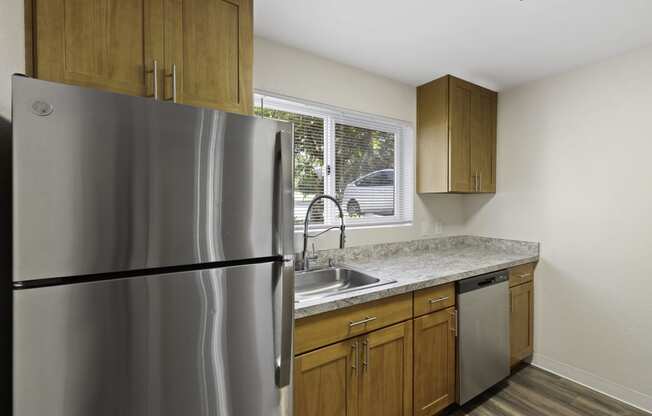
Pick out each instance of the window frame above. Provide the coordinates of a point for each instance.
(404, 149)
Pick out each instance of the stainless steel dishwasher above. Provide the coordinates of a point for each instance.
(483, 342)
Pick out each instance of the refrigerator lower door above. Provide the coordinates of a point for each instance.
(193, 343)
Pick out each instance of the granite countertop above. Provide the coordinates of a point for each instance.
(419, 264)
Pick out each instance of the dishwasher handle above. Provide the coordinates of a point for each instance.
(487, 282)
(482, 281)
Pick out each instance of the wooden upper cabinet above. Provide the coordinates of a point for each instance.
(104, 44)
(112, 45)
(434, 362)
(456, 132)
(460, 122)
(386, 377)
(210, 44)
(326, 380)
(483, 139)
(521, 321)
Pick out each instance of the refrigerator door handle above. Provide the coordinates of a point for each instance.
(284, 240)
(286, 326)
(283, 194)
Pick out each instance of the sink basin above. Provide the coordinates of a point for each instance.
(317, 284)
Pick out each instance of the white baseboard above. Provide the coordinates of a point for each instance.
(617, 391)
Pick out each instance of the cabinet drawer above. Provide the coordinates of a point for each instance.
(521, 274)
(434, 299)
(327, 328)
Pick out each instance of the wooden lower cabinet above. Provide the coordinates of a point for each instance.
(434, 362)
(521, 322)
(395, 364)
(326, 381)
(367, 375)
(386, 377)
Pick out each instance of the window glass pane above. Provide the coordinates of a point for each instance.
(308, 161)
(364, 161)
(364, 171)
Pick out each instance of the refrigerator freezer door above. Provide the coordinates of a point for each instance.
(105, 182)
(196, 343)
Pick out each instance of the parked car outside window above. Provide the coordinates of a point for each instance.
(371, 194)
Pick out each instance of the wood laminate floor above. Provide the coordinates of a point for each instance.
(531, 391)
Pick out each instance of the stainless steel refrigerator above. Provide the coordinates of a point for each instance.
(152, 257)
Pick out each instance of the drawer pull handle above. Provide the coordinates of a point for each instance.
(437, 300)
(362, 321)
(524, 275)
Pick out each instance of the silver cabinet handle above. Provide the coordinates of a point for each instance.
(174, 82)
(524, 275)
(454, 327)
(154, 73)
(362, 321)
(365, 355)
(480, 186)
(437, 300)
(354, 361)
(155, 79)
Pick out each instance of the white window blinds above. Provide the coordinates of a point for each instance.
(364, 161)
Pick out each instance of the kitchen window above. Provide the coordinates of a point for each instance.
(364, 161)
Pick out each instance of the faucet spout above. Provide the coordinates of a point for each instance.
(305, 258)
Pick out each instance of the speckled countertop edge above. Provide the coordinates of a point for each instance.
(420, 264)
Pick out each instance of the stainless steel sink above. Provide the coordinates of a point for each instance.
(317, 284)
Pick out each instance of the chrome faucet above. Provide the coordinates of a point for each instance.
(304, 254)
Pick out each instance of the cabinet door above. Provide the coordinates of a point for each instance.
(210, 43)
(521, 321)
(434, 362)
(326, 380)
(386, 377)
(105, 44)
(460, 179)
(483, 139)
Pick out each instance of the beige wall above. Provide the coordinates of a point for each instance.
(12, 49)
(295, 73)
(574, 172)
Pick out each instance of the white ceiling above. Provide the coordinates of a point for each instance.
(497, 43)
